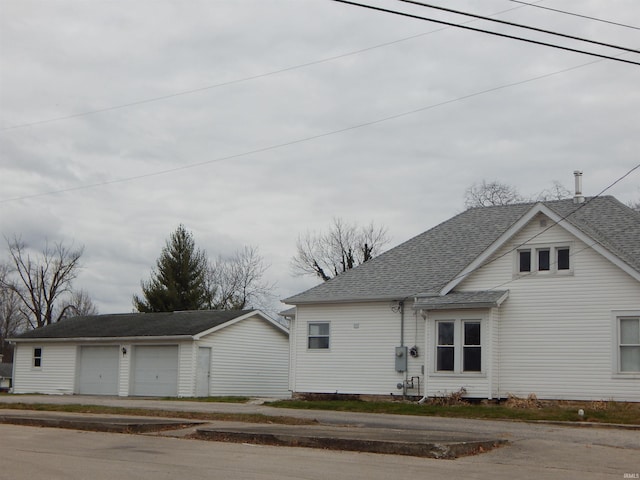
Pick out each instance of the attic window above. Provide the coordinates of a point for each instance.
(546, 258)
(563, 258)
(524, 260)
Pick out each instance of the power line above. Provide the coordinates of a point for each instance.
(489, 32)
(519, 25)
(576, 14)
(300, 140)
(231, 82)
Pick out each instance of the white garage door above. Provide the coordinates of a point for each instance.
(98, 370)
(155, 371)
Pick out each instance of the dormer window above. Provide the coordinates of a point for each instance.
(543, 259)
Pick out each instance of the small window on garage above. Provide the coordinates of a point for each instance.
(37, 357)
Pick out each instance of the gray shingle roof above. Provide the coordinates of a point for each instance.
(136, 325)
(427, 262)
(484, 299)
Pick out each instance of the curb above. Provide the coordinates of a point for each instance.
(437, 450)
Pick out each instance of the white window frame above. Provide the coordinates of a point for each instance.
(534, 251)
(36, 358)
(459, 347)
(327, 336)
(617, 345)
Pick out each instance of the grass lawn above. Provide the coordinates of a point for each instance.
(145, 412)
(601, 412)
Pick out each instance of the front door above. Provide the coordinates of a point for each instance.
(203, 372)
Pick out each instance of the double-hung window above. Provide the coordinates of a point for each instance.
(37, 357)
(458, 346)
(318, 336)
(629, 344)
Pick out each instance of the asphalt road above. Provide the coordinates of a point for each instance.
(535, 450)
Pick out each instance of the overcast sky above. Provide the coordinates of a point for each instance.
(253, 121)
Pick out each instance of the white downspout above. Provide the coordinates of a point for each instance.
(425, 316)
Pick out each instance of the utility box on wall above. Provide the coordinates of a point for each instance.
(401, 359)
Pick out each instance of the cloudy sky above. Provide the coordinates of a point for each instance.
(253, 121)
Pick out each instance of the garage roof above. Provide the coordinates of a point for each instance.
(187, 323)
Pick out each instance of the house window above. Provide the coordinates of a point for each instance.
(562, 258)
(524, 260)
(629, 344)
(37, 357)
(459, 346)
(543, 259)
(471, 349)
(445, 348)
(318, 337)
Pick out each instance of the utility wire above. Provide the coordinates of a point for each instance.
(576, 15)
(231, 82)
(300, 140)
(489, 32)
(519, 25)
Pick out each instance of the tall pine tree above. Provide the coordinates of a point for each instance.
(179, 281)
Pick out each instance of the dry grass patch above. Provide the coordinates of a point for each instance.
(143, 412)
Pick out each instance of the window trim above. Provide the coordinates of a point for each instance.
(459, 347)
(534, 251)
(36, 358)
(327, 336)
(618, 315)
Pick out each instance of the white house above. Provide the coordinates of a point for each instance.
(184, 354)
(539, 298)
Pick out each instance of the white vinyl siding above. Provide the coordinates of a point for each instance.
(56, 375)
(361, 358)
(248, 358)
(555, 337)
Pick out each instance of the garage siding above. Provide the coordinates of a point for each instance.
(56, 375)
(249, 358)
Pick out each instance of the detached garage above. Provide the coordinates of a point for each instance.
(183, 354)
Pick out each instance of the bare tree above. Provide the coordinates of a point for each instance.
(81, 304)
(557, 191)
(343, 247)
(237, 282)
(42, 280)
(486, 194)
(11, 319)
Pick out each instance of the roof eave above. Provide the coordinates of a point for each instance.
(160, 338)
(390, 298)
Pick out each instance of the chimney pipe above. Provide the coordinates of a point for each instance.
(578, 197)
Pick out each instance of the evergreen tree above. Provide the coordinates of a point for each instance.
(179, 281)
